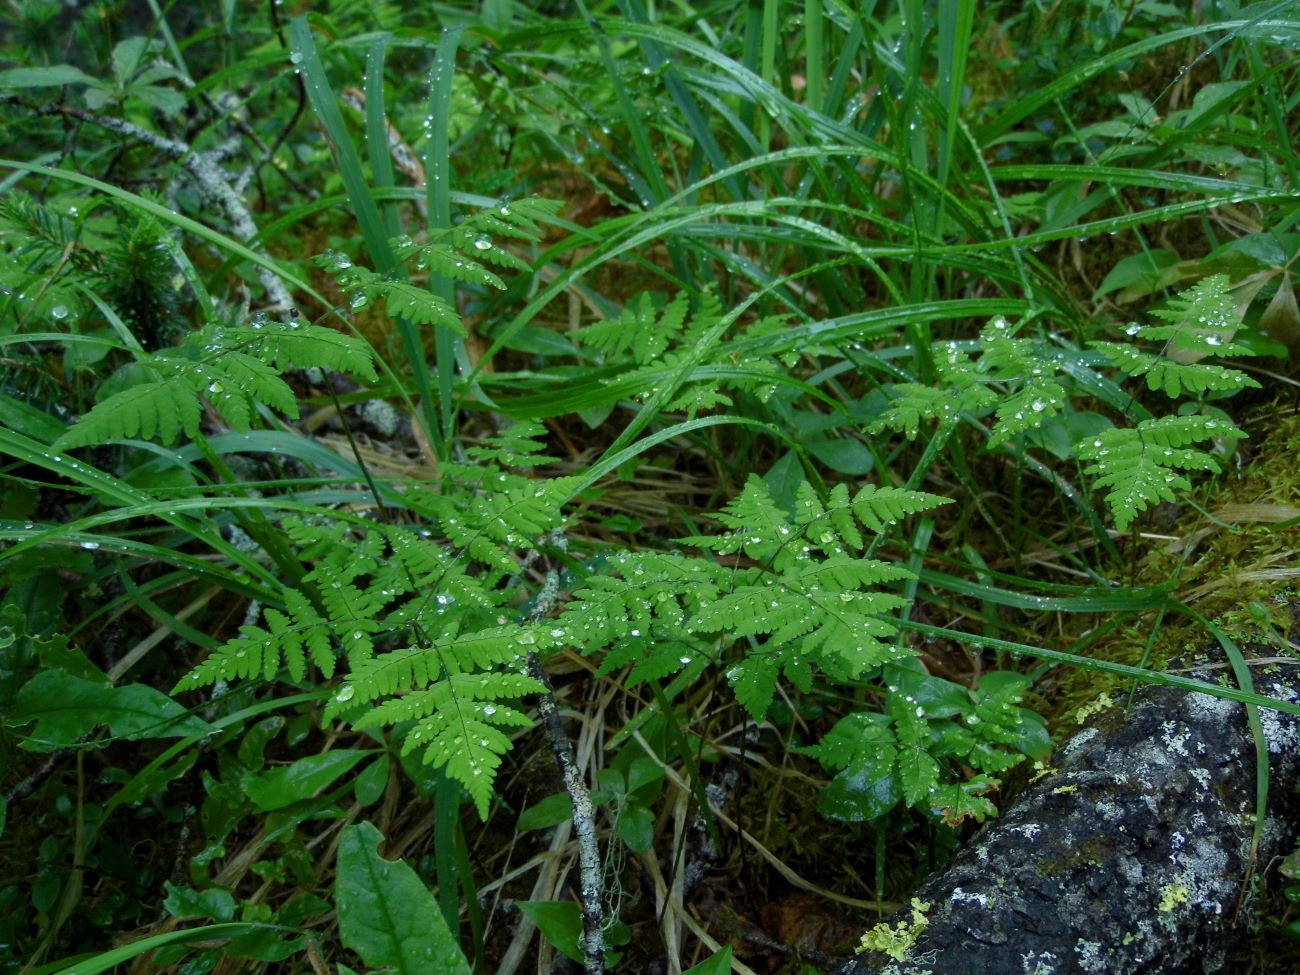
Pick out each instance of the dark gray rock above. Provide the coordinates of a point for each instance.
(1132, 857)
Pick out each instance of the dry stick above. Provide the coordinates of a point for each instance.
(584, 826)
(591, 882)
(204, 168)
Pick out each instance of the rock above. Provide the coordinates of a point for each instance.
(1132, 857)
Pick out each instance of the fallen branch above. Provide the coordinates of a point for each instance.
(203, 167)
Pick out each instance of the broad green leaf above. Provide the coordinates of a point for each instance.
(372, 781)
(288, 784)
(560, 923)
(386, 913)
(215, 903)
(717, 964)
(551, 811)
(861, 794)
(843, 456)
(66, 707)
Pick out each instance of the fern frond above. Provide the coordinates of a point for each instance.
(651, 588)
(878, 507)
(295, 344)
(257, 652)
(1027, 409)
(1174, 378)
(387, 673)
(461, 730)
(233, 368)
(454, 265)
(911, 403)
(490, 527)
(165, 407)
(1141, 466)
(518, 445)
(640, 330)
(418, 305)
(521, 218)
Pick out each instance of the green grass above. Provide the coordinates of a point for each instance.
(846, 194)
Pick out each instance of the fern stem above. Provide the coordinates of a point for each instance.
(591, 879)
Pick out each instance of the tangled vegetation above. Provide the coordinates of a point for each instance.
(490, 482)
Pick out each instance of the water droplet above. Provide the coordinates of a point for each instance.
(482, 243)
(345, 693)
(90, 546)
(215, 387)
(59, 311)
(359, 300)
(295, 57)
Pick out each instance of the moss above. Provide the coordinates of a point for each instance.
(1225, 558)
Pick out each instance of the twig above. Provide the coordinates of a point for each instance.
(591, 882)
(203, 167)
(47, 768)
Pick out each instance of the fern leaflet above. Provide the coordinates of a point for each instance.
(1141, 466)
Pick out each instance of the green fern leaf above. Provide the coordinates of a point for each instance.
(459, 725)
(258, 652)
(640, 330)
(1140, 466)
(166, 408)
(1175, 378)
(454, 265)
(415, 304)
(878, 507)
(912, 403)
(1027, 409)
(754, 681)
(298, 345)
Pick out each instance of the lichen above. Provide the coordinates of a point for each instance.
(1098, 704)
(1171, 895)
(898, 940)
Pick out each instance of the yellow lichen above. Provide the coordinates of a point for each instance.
(1171, 895)
(1098, 704)
(898, 940)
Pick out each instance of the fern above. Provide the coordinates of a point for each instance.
(462, 730)
(1203, 322)
(417, 614)
(796, 611)
(1140, 466)
(640, 331)
(293, 635)
(663, 345)
(233, 368)
(907, 754)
